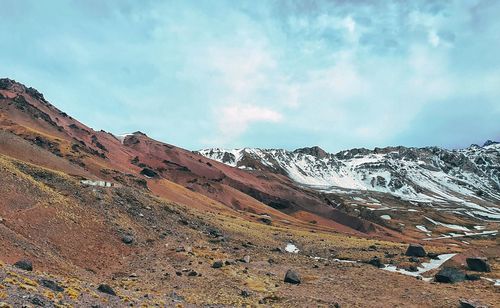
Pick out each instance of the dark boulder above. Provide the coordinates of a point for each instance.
(265, 220)
(470, 304)
(375, 261)
(149, 173)
(104, 288)
(24, 265)
(217, 264)
(245, 293)
(449, 275)
(472, 277)
(415, 250)
(478, 264)
(433, 255)
(50, 284)
(128, 239)
(292, 277)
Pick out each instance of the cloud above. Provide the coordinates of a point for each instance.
(290, 73)
(234, 120)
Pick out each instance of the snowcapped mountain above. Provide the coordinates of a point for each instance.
(469, 177)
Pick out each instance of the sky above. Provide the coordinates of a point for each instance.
(262, 73)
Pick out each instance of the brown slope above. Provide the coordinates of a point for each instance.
(25, 113)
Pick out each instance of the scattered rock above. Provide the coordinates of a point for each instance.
(104, 288)
(192, 274)
(149, 173)
(37, 302)
(478, 264)
(229, 262)
(277, 249)
(414, 260)
(433, 255)
(265, 220)
(449, 275)
(412, 268)
(245, 259)
(472, 277)
(215, 233)
(50, 284)
(470, 304)
(245, 293)
(375, 261)
(128, 239)
(217, 264)
(292, 277)
(24, 265)
(415, 250)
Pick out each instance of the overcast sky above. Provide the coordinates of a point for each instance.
(287, 74)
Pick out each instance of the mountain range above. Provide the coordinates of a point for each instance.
(89, 218)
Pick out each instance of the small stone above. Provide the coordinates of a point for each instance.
(104, 288)
(37, 302)
(433, 255)
(245, 259)
(375, 261)
(266, 221)
(414, 259)
(292, 277)
(470, 304)
(229, 262)
(217, 264)
(478, 264)
(245, 293)
(192, 274)
(128, 239)
(24, 265)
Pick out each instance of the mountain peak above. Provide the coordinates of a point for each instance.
(315, 151)
(490, 142)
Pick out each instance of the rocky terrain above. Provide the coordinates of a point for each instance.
(90, 219)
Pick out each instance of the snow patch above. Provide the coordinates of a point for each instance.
(291, 248)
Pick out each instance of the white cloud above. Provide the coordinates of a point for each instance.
(234, 120)
(433, 38)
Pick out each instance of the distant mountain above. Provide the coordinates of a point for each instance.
(467, 176)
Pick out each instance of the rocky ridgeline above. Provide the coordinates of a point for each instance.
(427, 174)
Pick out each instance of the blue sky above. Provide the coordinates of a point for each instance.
(288, 74)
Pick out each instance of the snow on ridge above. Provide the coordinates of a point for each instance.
(426, 175)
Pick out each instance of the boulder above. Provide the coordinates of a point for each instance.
(128, 239)
(478, 264)
(265, 220)
(449, 275)
(245, 293)
(217, 264)
(104, 288)
(415, 250)
(50, 284)
(472, 277)
(464, 303)
(375, 261)
(292, 277)
(433, 255)
(24, 265)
